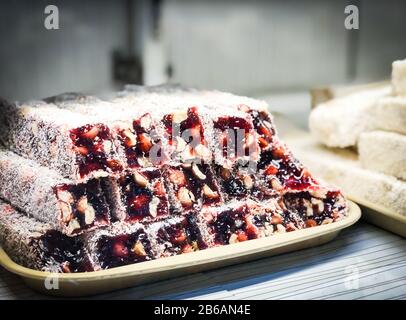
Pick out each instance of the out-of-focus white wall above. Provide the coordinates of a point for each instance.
(249, 46)
(382, 38)
(257, 46)
(36, 62)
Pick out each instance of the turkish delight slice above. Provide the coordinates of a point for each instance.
(317, 206)
(239, 221)
(119, 245)
(184, 130)
(139, 195)
(44, 194)
(178, 235)
(79, 147)
(37, 245)
(132, 124)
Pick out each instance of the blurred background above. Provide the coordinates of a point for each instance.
(272, 49)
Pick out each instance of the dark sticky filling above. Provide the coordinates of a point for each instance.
(234, 184)
(91, 142)
(290, 173)
(95, 197)
(138, 143)
(138, 198)
(181, 237)
(233, 221)
(295, 203)
(230, 138)
(66, 251)
(124, 249)
(192, 123)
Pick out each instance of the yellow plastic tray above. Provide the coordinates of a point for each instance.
(87, 283)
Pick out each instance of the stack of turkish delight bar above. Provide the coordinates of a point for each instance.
(89, 183)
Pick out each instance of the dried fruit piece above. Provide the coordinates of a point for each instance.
(225, 173)
(241, 236)
(145, 143)
(187, 248)
(262, 142)
(114, 165)
(82, 150)
(265, 131)
(310, 223)
(271, 170)
(119, 249)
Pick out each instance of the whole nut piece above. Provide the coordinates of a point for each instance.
(178, 117)
(177, 177)
(209, 193)
(186, 197)
(66, 212)
(130, 138)
(197, 172)
(65, 196)
(248, 182)
(276, 185)
(82, 204)
(107, 146)
(233, 239)
(139, 249)
(90, 215)
(92, 133)
(73, 225)
(280, 228)
(140, 180)
(153, 207)
(309, 211)
(146, 121)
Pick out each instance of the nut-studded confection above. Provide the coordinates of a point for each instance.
(151, 173)
(41, 192)
(38, 246)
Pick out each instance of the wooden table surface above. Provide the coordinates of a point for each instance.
(363, 262)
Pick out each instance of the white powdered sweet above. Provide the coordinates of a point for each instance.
(384, 152)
